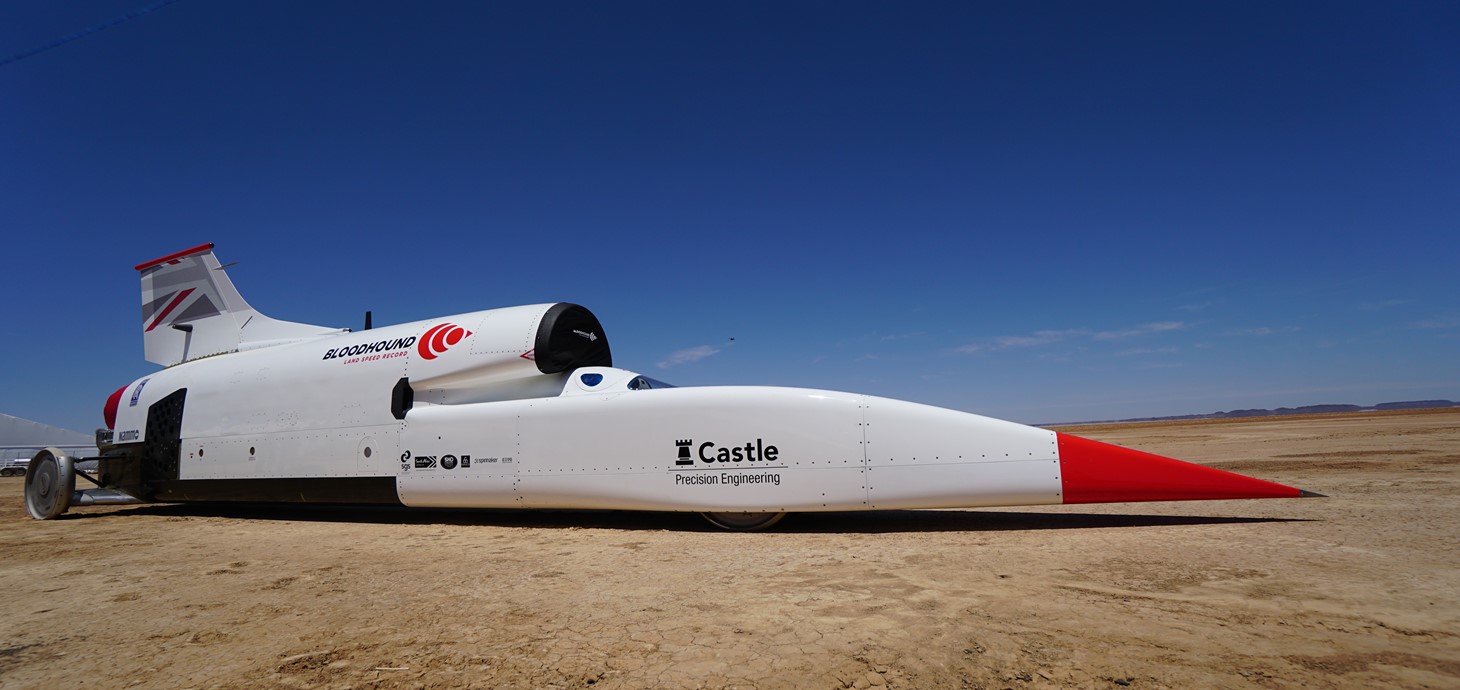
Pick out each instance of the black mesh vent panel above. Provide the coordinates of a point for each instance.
(164, 434)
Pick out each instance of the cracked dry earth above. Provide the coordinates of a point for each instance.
(1357, 590)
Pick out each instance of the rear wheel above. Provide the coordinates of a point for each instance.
(743, 522)
(49, 482)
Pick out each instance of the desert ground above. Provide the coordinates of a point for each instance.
(1358, 590)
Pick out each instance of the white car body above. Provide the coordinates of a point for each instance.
(520, 407)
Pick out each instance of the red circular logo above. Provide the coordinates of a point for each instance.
(439, 339)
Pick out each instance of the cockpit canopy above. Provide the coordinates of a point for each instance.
(609, 380)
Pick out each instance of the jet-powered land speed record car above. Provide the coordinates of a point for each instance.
(522, 408)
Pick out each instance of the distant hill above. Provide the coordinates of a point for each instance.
(1416, 405)
(1264, 412)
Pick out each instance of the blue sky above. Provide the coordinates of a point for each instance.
(1036, 211)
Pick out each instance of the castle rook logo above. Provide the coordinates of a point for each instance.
(684, 458)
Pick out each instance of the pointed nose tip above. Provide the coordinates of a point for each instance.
(1095, 472)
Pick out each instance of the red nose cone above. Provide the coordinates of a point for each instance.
(1095, 472)
(109, 411)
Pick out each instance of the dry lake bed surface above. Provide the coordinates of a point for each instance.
(1358, 590)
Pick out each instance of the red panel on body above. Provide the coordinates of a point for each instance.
(177, 255)
(109, 411)
(1095, 472)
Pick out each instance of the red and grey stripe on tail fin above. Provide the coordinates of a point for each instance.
(190, 309)
(186, 277)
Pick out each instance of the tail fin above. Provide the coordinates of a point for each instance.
(190, 309)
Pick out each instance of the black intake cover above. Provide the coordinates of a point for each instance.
(570, 337)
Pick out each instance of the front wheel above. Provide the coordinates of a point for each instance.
(743, 522)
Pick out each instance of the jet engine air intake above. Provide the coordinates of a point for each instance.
(569, 337)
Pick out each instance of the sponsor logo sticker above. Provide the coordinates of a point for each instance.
(709, 452)
(369, 352)
(439, 339)
(137, 393)
(430, 345)
(410, 461)
(694, 459)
